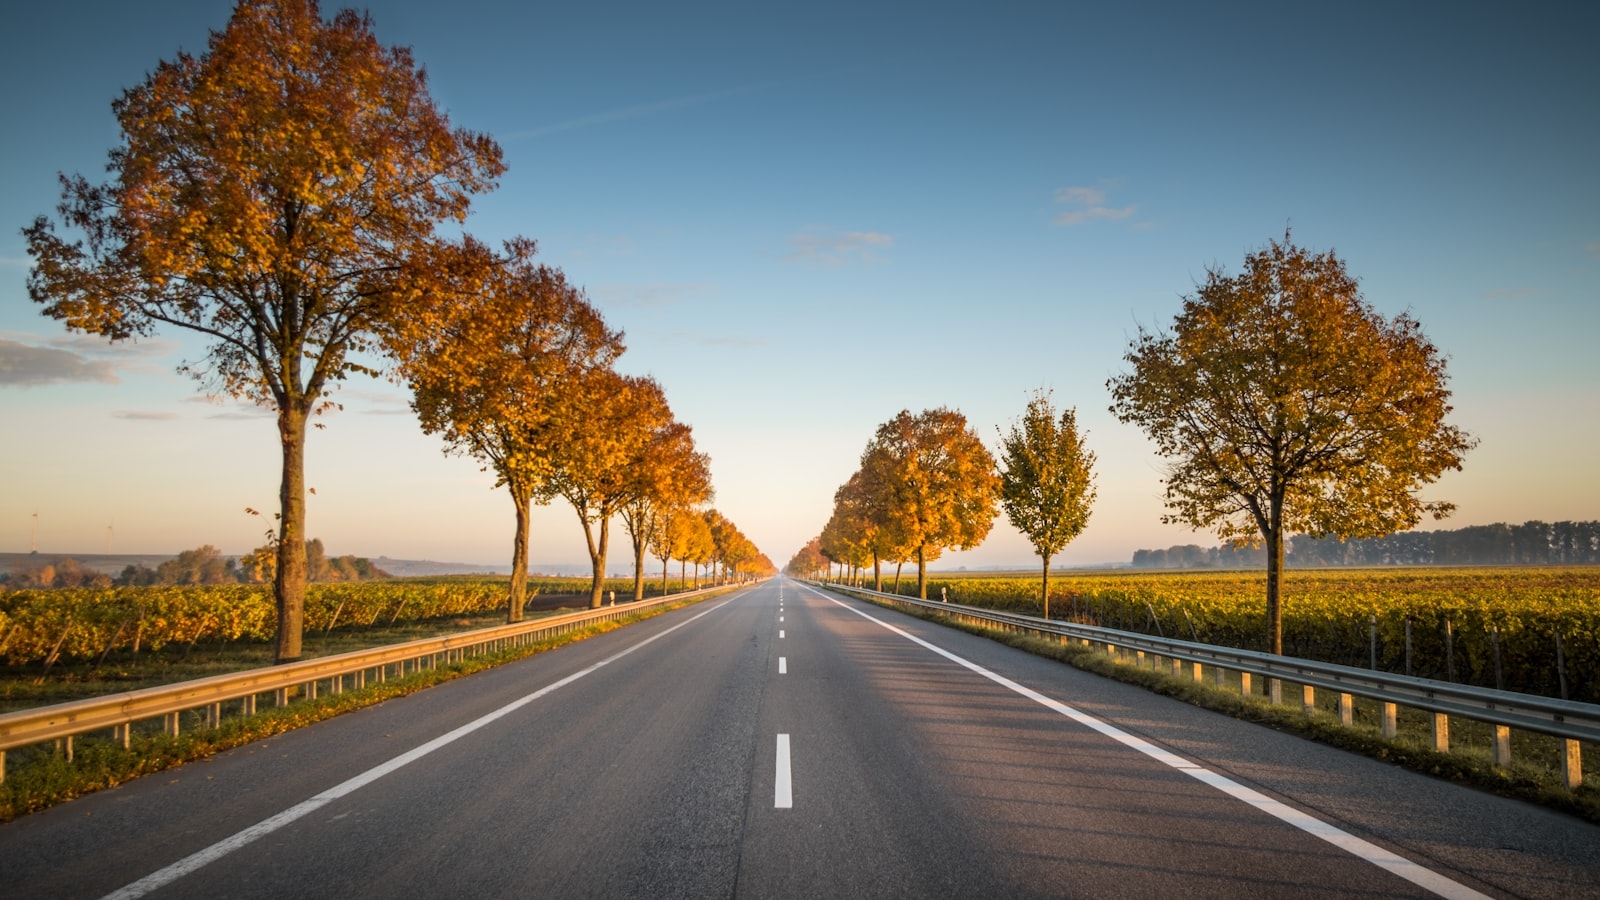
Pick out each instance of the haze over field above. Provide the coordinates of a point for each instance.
(807, 220)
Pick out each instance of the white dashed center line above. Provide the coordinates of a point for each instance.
(782, 787)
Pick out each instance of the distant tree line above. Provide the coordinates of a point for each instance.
(202, 565)
(1532, 543)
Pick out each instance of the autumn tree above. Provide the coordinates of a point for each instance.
(1046, 480)
(1286, 404)
(672, 537)
(497, 379)
(671, 477)
(808, 561)
(604, 441)
(267, 194)
(699, 547)
(842, 540)
(936, 481)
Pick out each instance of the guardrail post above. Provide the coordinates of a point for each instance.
(1572, 763)
(169, 724)
(213, 715)
(1198, 674)
(1177, 667)
(1441, 732)
(247, 706)
(280, 698)
(1502, 746)
(1244, 683)
(122, 733)
(1347, 709)
(2, 767)
(69, 748)
(1219, 676)
(1391, 725)
(1275, 691)
(1139, 655)
(1308, 699)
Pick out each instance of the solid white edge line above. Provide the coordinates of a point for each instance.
(199, 858)
(782, 787)
(1384, 859)
(783, 665)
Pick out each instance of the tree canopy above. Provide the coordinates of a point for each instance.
(1046, 480)
(1286, 403)
(272, 194)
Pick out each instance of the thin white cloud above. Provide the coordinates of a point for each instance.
(837, 249)
(648, 296)
(639, 111)
(140, 415)
(28, 365)
(13, 262)
(1088, 204)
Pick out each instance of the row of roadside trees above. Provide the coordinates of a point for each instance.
(928, 484)
(294, 195)
(1284, 403)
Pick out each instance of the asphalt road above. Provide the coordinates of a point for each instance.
(788, 743)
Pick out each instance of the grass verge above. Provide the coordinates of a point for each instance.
(1411, 748)
(41, 777)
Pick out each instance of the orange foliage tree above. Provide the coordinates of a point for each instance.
(266, 194)
(673, 478)
(499, 377)
(933, 482)
(605, 440)
(1287, 403)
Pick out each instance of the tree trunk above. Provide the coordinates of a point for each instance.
(598, 557)
(922, 572)
(877, 573)
(638, 570)
(289, 582)
(1047, 587)
(522, 499)
(897, 567)
(1274, 538)
(664, 561)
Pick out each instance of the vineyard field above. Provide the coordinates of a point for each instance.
(45, 626)
(1458, 618)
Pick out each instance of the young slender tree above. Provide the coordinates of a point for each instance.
(1046, 480)
(266, 194)
(1286, 404)
(936, 482)
(497, 381)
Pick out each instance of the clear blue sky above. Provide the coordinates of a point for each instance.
(810, 216)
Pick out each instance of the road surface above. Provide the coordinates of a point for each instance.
(786, 742)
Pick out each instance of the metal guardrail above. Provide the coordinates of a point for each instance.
(65, 721)
(1566, 719)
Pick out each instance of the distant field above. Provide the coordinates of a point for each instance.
(1328, 614)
